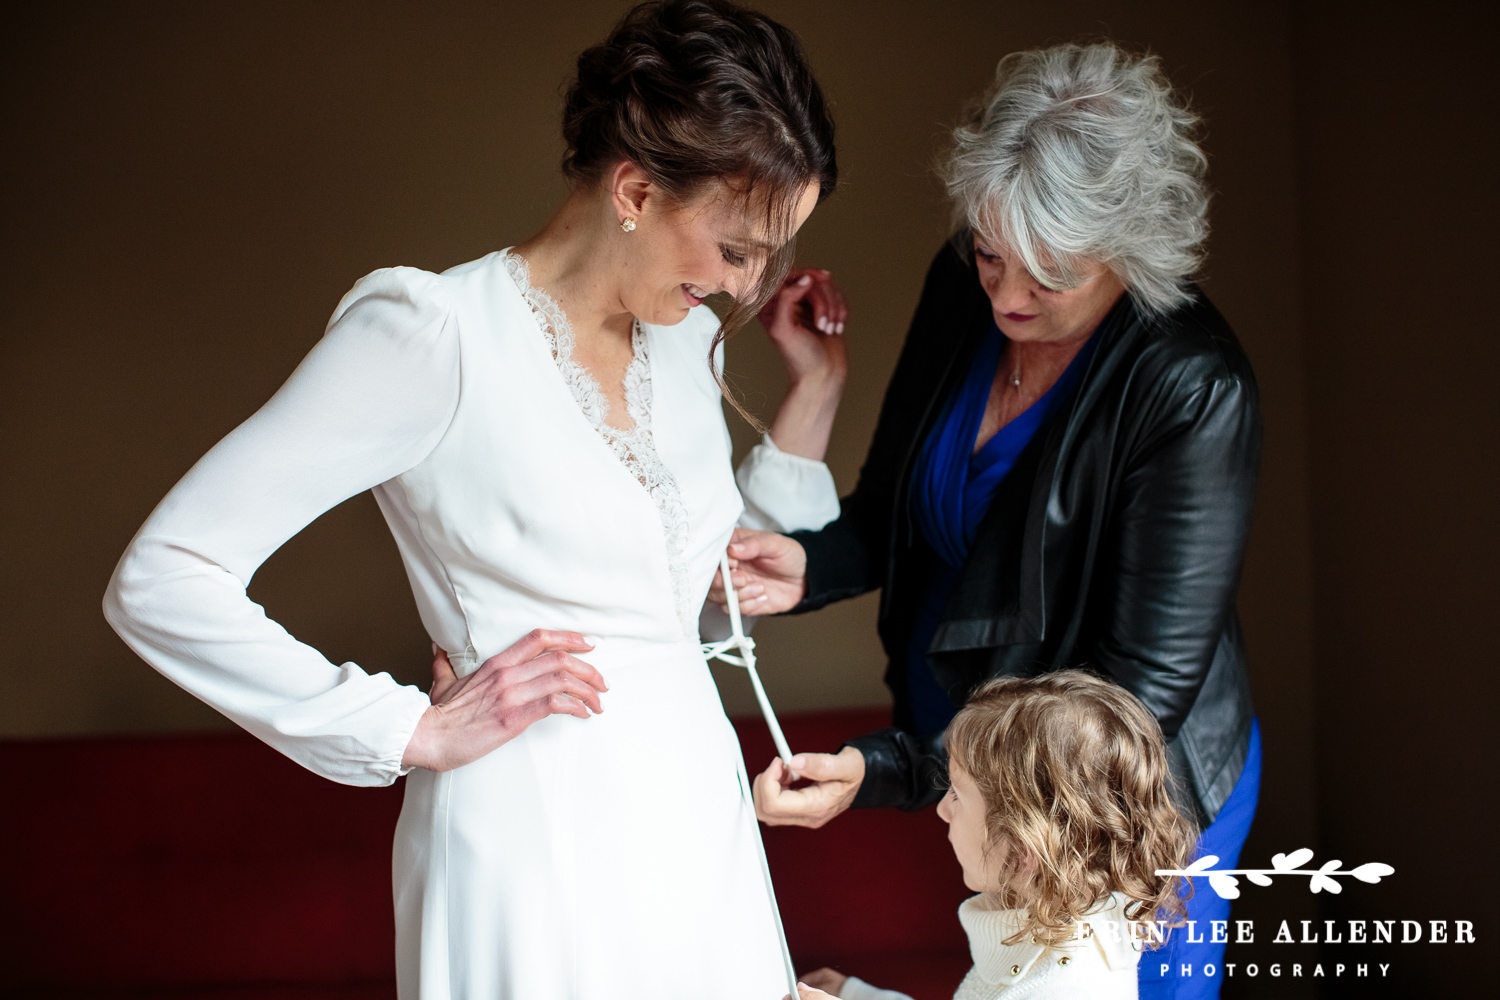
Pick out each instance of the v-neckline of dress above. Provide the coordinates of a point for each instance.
(557, 330)
(635, 448)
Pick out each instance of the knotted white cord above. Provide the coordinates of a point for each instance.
(745, 645)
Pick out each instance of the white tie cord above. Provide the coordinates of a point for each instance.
(745, 646)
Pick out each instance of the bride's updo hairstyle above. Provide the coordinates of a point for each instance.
(695, 92)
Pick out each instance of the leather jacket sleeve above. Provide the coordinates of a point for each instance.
(901, 770)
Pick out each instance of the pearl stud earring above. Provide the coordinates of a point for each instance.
(628, 225)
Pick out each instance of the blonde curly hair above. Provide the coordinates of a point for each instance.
(1074, 776)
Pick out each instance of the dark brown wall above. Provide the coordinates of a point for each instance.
(1397, 133)
(189, 189)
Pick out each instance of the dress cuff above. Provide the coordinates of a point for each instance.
(414, 703)
(785, 492)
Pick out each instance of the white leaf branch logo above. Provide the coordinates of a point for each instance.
(1324, 879)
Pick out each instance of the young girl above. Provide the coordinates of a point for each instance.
(1058, 811)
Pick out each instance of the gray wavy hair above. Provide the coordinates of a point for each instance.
(1080, 155)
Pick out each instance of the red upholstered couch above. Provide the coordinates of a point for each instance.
(212, 867)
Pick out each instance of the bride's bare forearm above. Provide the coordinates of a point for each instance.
(804, 422)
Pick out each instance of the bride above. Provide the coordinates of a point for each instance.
(543, 429)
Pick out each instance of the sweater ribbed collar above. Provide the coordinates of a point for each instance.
(1105, 928)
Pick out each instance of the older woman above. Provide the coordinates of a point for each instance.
(1063, 469)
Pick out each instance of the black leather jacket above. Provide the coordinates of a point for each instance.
(1114, 544)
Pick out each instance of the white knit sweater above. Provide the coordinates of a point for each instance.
(1099, 963)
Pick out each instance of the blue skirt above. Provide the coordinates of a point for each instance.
(1183, 970)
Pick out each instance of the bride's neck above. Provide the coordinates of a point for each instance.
(574, 260)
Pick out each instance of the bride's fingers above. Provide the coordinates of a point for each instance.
(768, 311)
(550, 663)
(538, 642)
(558, 682)
(442, 667)
(840, 309)
(801, 291)
(446, 683)
(558, 660)
(561, 704)
(827, 308)
(553, 704)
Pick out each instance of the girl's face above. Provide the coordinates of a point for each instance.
(679, 254)
(963, 810)
(1025, 309)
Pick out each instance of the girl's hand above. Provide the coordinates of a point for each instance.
(769, 572)
(471, 716)
(824, 981)
(806, 992)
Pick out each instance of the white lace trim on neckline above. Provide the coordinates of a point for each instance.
(635, 448)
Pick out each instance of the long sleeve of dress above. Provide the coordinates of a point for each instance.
(785, 492)
(369, 402)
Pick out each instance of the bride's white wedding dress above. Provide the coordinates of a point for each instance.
(609, 858)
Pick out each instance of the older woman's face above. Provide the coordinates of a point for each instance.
(1027, 310)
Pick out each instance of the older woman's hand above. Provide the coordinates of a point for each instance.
(835, 780)
(804, 320)
(532, 679)
(769, 572)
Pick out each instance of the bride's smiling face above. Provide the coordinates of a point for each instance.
(678, 254)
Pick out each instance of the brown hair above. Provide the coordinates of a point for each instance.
(1073, 772)
(697, 91)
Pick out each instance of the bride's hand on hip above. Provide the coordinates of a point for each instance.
(769, 573)
(471, 716)
(835, 780)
